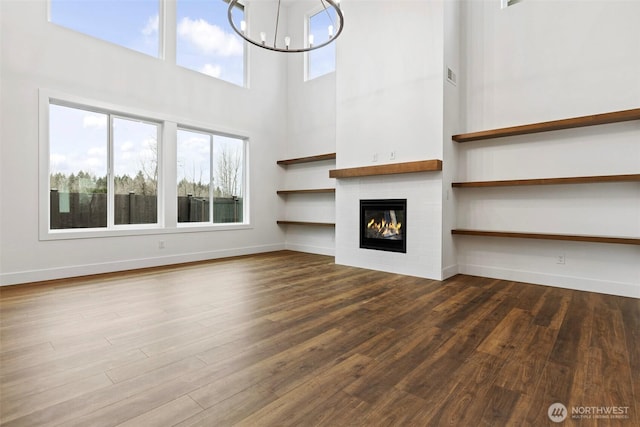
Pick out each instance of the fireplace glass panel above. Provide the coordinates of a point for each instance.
(383, 224)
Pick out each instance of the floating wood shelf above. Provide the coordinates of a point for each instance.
(310, 191)
(546, 236)
(549, 181)
(311, 223)
(390, 169)
(318, 158)
(576, 122)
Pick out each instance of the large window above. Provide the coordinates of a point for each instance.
(132, 24)
(103, 169)
(205, 41)
(320, 26)
(210, 177)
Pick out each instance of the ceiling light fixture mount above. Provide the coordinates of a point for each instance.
(333, 30)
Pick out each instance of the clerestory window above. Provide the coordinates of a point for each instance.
(320, 28)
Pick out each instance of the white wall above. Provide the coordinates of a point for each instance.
(535, 61)
(311, 130)
(450, 123)
(538, 61)
(39, 55)
(390, 98)
(389, 82)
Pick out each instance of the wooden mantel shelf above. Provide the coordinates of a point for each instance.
(318, 158)
(547, 236)
(575, 122)
(549, 181)
(390, 169)
(310, 223)
(309, 191)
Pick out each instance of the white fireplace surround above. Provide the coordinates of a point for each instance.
(424, 214)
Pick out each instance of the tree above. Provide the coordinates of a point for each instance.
(228, 171)
(149, 169)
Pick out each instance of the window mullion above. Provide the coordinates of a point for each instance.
(211, 182)
(110, 176)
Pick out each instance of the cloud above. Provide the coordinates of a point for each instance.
(208, 38)
(126, 146)
(98, 152)
(94, 121)
(195, 143)
(211, 70)
(92, 163)
(152, 26)
(58, 163)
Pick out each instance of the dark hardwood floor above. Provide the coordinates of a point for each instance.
(291, 339)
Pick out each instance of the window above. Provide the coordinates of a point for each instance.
(103, 169)
(135, 171)
(210, 177)
(205, 41)
(132, 24)
(321, 61)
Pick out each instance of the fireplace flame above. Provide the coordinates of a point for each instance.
(384, 229)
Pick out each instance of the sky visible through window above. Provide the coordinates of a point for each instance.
(79, 143)
(129, 23)
(322, 61)
(195, 159)
(206, 42)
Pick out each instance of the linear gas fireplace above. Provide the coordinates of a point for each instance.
(383, 225)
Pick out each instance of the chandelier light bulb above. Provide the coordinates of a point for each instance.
(328, 7)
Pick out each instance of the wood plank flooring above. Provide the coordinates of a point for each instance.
(291, 339)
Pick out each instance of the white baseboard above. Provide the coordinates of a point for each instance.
(450, 271)
(110, 267)
(569, 282)
(320, 250)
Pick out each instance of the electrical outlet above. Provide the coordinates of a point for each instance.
(375, 157)
(392, 155)
(560, 259)
(161, 244)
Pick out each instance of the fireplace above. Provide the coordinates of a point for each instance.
(383, 225)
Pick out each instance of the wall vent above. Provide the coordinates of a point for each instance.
(451, 76)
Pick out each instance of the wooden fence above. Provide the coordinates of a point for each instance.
(89, 210)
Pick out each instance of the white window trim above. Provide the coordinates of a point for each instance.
(167, 191)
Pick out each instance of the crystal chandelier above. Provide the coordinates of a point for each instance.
(282, 43)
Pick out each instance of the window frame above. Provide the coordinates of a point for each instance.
(167, 190)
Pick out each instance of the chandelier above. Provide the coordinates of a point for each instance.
(282, 43)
